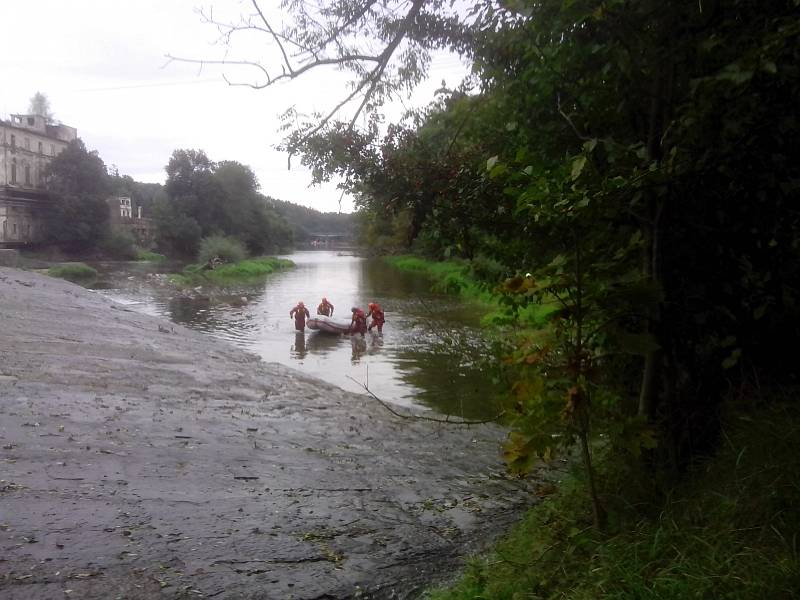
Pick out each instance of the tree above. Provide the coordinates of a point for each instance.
(40, 105)
(204, 198)
(78, 185)
(384, 46)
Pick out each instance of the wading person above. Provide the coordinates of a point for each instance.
(325, 308)
(378, 319)
(358, 324)
(300, 314)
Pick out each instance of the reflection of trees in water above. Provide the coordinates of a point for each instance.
(193, 311)
(454, 379)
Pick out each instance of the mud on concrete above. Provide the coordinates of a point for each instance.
(143, 460)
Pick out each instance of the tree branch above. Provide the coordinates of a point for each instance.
(445, 421)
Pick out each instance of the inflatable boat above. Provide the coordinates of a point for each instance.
(328, 324)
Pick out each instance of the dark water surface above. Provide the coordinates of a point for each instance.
(430, 353)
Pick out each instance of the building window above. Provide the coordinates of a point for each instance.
(31, 121)
(41, 151)
(27, 144)
(14, 171)
(27, 175)
(13, 141)
(52, 149)
(14, 231)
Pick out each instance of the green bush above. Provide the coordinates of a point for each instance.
(120, 245)
(73, 272)
(228, 249)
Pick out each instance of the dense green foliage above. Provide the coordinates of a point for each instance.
(78, 185)
(73, 271)
(224, 249)
(626, 166)
(728, 531)
(203, 198)
(119, 245)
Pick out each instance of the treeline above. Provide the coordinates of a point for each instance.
(201, 199)
(627, 168)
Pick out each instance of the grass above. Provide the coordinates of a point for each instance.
(455, 277)
(73, 271)
(148, 256)
(231, 273)
(729, 530)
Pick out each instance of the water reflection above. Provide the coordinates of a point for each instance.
(298, 350)
(358, 343)
(429, 353)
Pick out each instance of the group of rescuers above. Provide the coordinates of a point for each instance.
(358, 323)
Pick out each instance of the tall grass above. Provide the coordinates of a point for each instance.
(730, 530)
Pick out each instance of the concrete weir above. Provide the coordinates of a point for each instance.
(140, 460)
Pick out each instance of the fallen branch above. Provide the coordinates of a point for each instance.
(446, 420)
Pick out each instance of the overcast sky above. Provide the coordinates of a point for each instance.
(102, 65)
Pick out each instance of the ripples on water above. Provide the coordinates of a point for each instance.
(430, 354)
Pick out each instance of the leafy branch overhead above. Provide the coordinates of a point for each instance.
(383, 46)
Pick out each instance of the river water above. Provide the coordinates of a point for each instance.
(431, 353)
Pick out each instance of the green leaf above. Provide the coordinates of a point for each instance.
(577, 167)
(732, 359)
(490, 163)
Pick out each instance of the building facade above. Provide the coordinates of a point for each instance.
(27, 144)
(125, 217)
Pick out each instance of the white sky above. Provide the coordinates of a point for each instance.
(102, 65)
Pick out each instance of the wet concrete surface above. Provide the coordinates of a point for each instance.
(141, 460)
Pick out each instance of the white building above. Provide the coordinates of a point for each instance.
(27, 144)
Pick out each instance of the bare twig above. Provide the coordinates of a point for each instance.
(446, 421)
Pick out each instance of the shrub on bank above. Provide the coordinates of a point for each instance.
(73, 272)
(227, 249)
(728, 531)
(119, 245)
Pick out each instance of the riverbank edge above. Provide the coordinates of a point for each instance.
(244, 270)
(729, 529)
(556, 553)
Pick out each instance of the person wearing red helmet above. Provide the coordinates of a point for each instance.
(325, 308)
(300, 314)
(378, 319)
(358, 324)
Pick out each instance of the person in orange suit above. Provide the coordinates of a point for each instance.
(300, 314)
(378, 319)
(325, 308)
(358, 324)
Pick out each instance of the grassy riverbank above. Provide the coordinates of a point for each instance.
(728, 530)
(244, 270)
(465, 279)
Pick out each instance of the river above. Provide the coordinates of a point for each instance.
(431, 353)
